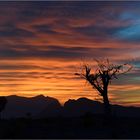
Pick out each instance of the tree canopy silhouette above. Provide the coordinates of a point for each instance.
(102, 77)
(3, 102)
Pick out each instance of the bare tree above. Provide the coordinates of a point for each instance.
(3, 102)
(102, 77)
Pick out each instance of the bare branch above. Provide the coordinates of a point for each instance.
(103, 74)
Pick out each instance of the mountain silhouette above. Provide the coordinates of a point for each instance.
(82, 106)
(41, 106)
(18, 106)
(52, 109)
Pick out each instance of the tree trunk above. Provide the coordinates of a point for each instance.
(107, 106)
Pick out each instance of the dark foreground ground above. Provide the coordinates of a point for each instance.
(88, 126)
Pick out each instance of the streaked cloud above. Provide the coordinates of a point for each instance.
(43, 43)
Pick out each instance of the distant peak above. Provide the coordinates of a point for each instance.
(84, 99)
(39, 96)
(71, 100)
(13, 96)
(50, 98)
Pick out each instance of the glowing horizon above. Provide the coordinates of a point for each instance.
(42, 43)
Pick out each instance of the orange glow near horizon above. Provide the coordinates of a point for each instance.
(43, 44)
(55, 79)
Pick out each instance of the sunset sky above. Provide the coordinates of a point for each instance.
(42, 45)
